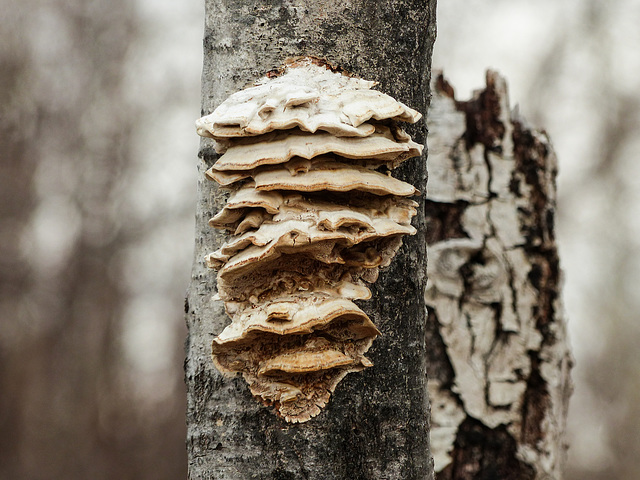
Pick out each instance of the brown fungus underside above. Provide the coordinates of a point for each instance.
(313, 215)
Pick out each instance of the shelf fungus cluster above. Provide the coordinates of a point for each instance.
(313, 214)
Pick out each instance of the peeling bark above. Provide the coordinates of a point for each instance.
(498, 359)
(376, 425)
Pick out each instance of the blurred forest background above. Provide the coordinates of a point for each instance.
(97, 193)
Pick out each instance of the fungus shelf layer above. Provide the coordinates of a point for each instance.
(312, 216)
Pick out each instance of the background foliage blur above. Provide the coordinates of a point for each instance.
(97, 193)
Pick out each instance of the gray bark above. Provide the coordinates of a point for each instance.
(498, 359)
(376, 424)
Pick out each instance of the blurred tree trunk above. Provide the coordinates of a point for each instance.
(66, 409)
(376, 424)
(498, 356)
(59, 305)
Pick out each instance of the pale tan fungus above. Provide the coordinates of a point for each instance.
(297, 373)
(305, 361)
(321, 173)
(305, 313)
(309, 97)
(280, 146)
(331, 250)
(298, 272)
(306, 232)
(335, 177)
(291, 205)
(313, 221)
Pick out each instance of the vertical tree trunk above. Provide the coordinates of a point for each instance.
(376, 424)
(498, 356)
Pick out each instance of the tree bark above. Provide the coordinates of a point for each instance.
(498, 356)
(376, 424)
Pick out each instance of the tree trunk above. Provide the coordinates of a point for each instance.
(376, 424)
(498, 356)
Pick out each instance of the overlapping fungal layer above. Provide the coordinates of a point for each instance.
(313, 215)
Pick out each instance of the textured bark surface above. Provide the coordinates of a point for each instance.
(498, 356)
(376, 424)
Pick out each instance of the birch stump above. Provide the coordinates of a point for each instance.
(497, 348)
(376, 423)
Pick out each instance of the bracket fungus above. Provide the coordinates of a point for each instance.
(313, 215)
